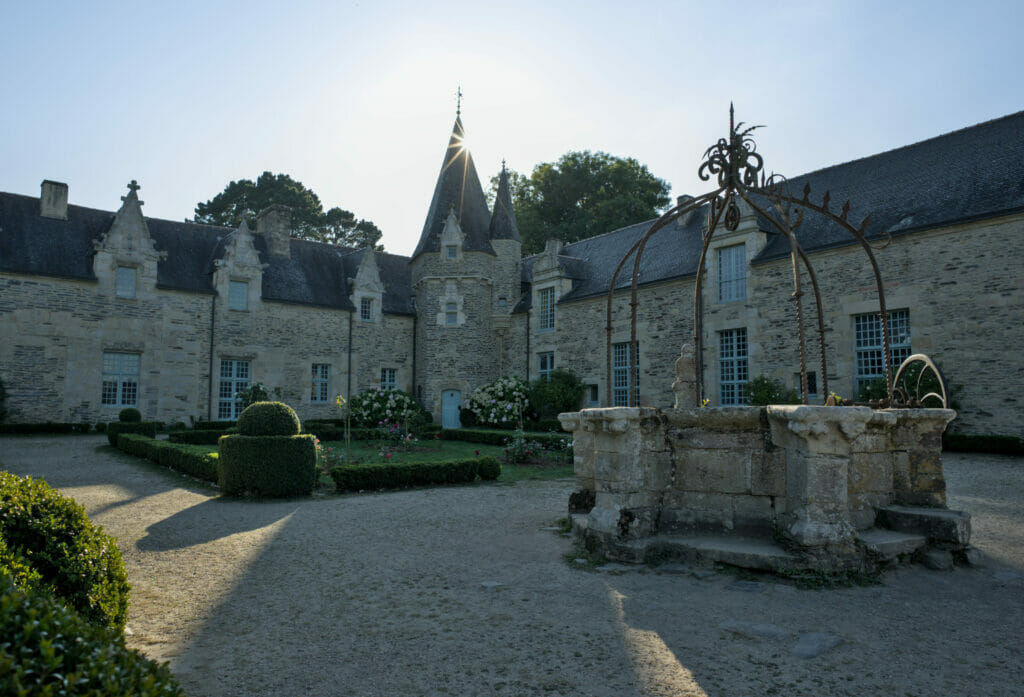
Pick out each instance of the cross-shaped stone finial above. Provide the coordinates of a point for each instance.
(134, 186)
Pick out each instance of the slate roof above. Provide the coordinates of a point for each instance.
(503, 220)
(458, 188)
(316, 274)
(969, 174)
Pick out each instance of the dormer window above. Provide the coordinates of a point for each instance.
(451, 251)
(732, 273)
(238, 295)
(366, 309)
(547, 309)
(126, 281)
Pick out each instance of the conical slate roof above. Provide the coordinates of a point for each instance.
(458, 188)
(503, 220)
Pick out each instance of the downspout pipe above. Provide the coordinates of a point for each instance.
(348, 386)
(209, 391)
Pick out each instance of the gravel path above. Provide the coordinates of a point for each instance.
(466, 591)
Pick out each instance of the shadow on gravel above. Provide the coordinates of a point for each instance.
(211, 520)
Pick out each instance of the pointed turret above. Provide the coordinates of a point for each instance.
(503, 220)
(458, 189)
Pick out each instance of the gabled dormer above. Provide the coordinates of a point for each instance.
(729, 256)
(238, 275)
(452, 238)
(553, 275)
(368, 289)
(125, 259)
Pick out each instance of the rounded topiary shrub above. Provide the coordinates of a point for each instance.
(489, 468)
(75, 560)
(269, 419)
(48, 649)
(130, 415)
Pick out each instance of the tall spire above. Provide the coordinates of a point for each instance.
(458, 189)
(503, 221)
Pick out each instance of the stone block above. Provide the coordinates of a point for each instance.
(870, 472)
(685, 510)
(701, 438)
(937, 524)
(768, 473)
(721, 471)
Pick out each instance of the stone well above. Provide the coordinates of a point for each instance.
(773, 487)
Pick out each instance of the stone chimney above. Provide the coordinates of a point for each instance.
(275, 222)
(53, 200)
(553, 246)
(680, 201)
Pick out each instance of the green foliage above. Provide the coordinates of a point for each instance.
(500, 403)
(194, 460)
(196, 437)
(379, 407)
(48, 649)
(582, 195)
(213, 425)
(489, 468)
(399, 475)
(966, 443)
(873, 390)
(19, 570)
(75, 560)
(256, 392)
(763, 390)
(563, 391)
(269, 419)
(245, 199)
(267, 465)
(130, 415)
(497, 437)
(116, 428)
(28, 429)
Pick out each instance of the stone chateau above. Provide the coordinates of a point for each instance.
(101, 310)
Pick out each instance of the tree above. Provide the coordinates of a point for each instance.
(245, 198)
(582, 195)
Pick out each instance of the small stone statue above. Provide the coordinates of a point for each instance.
(685, 384)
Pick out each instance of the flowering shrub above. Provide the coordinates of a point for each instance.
(500, 402)
(378, 407)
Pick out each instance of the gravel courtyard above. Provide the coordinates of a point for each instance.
(467, 591)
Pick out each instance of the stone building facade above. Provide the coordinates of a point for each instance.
(101, 310)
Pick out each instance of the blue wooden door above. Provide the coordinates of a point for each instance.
(450, 401)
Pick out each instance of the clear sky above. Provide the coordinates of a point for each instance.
(356, 99)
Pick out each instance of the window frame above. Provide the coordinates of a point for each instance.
(544, 371)
(732, 272)
(451, 313)
(366, 309)
(320, 388)
(389, 378)
(867, 344)
(235, 383)
(621, 385)
(451, 251)
(116, 369)
(121, 289)
(733, 366)
(236, 302)
(546, 309)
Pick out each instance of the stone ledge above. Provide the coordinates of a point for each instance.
(937, 524)
(890, 544)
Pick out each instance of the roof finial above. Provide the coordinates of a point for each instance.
(731, 127)
(503, 164)
(458, 103)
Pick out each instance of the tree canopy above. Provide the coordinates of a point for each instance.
(582, 195)
(245, 198)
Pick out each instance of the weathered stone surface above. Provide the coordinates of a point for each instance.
(755, 630)
(937, 524)
(938, 559)
(890, 544)
(814, 644)
(715, 471)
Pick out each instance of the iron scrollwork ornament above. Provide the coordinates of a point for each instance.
(734, 161)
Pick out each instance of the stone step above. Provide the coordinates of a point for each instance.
(937, 524)
(891, 544)
(705, 550)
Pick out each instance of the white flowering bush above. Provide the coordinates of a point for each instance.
(378, 407)
(500, 403)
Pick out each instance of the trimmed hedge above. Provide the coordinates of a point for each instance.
(130, 415)
(116, 428)
(48, 649)
(198, 437)
(490, 468)
(47, 427)
(496, 437)
(213, 425)
(193, 460)
(75, 559)
(545, 425)
(269, 419)
(1001, 445)
(267, 465)
(405, 474)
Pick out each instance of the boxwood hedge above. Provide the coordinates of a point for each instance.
(116, 428)
(269, 419)
(48, 649)
(193, 460)
(495, 437)
(267, 465)
(406, 474)
(75, 559)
